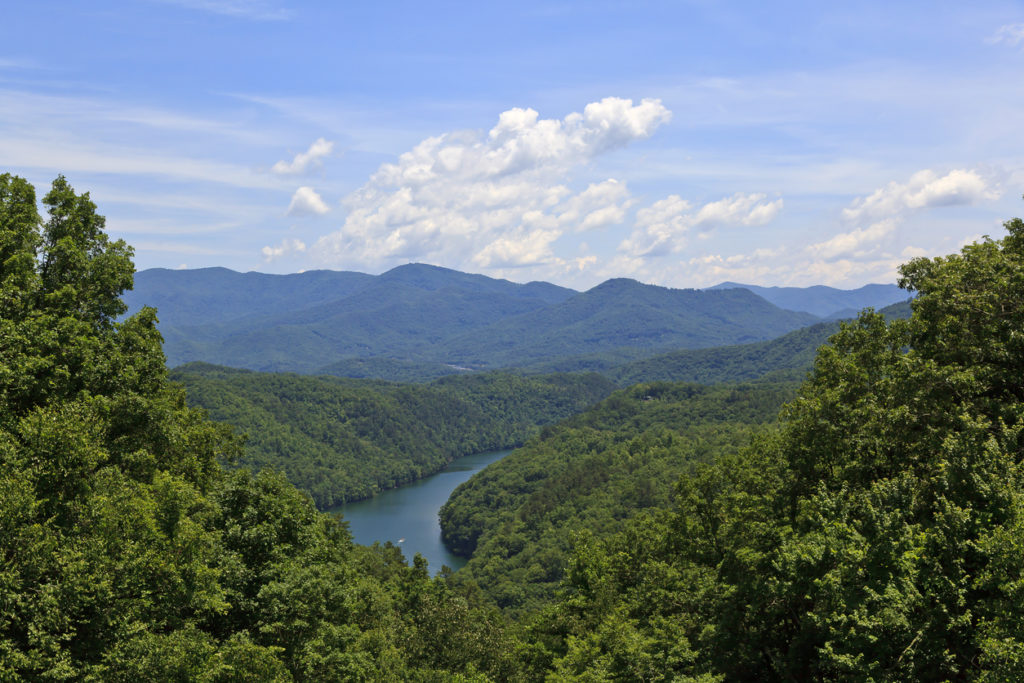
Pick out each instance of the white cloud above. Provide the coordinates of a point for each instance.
(879, 215)
(248, 9)
(661, 228)
(599, 205)
(868, 251)
(306, 202)
(1011, 34)
(910, 252)
(285, 247)
(740, 209)
(925, 189)
(498, 199)
(515, 251)
(848, 243)
(304, 161)
(773, 266)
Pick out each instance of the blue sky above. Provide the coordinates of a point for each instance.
(678, 143)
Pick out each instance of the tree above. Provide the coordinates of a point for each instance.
(126, 551)
(875, 535)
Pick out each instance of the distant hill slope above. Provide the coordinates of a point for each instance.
(306, 321)
(583, 477)
(624, 313)
(822, 301)
(786, 357)
(214, 295)
(420, 322)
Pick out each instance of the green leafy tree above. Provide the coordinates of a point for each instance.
(875, 535)
(126, 551)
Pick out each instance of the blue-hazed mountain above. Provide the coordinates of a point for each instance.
(306, 321)
(625, 314)
(825, 302)
(211, 295)
(418, 321)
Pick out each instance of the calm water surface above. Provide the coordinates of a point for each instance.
(407, 516)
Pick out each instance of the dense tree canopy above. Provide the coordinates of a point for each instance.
(518, 518)
(876, 535)
(342, 440)
(126, 552)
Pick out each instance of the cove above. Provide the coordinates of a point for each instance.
(407, 516)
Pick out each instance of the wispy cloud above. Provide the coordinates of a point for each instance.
(61, 154)
(1010, 34)
(304, 161)
(259, 10)
(16, 63)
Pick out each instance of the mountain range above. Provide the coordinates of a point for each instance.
(419, 321)
(827, 303)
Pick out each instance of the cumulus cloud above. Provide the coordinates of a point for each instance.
(878, 215)
(1010, 34)
(740, 209)
(306, 202)
(868, 249)
(661, 228)
(494, 199)
(285, 247)
(849, 243)
(522, 249)
(304, 161)
(925, 189)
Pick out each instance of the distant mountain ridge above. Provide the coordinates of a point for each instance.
(419, 321)
(825, 302)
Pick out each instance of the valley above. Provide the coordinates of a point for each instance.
(663, 513)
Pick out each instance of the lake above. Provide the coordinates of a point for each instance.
(407, 516)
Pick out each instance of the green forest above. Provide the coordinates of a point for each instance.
(865, 523)
(342, 440)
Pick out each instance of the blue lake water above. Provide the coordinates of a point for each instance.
(407, 516)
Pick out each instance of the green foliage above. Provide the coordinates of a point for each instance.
(875, 536)
(793, 352)
(343, 440)
(126, 552)
(788, 357)
(624, 314)
(518, 518)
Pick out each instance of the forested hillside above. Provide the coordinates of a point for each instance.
(419, 322)
(873, 533)
(826, 302)
(342, 439)
(787, 357)
(518, 518)
(127, 553)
